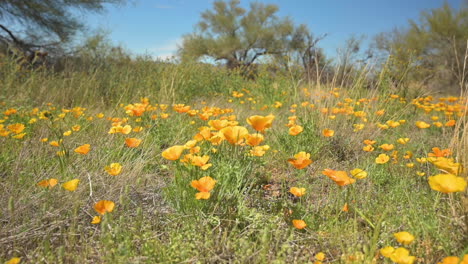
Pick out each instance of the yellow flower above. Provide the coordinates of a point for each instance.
(19, 136)
(422, 124)
(298, 192)
(387, 251)
(328, 132)
(382, 159)
(48, 183)
(14, 261)
(234, 134)
(339, 177)
(67, 133)
(96, 220)
(173, 153)
(447, 165)
(71, 185)
(387, 147)
(450, 260)
(83, 149)
(447, 183)
(320, 256)
(260, 123)
(401, 256)
(299, 224)
(295, 130)
(359, 174)
(403, 141)
(301, 160)
(204, 185)
(254, 139)
(114, 169)
(404, 237)
(259, 151)
(16, 128)
(76, 128)
(369, 142)
(368, 148)
(104, 206)
(132, 142)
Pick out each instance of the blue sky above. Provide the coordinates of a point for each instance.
(155, 27)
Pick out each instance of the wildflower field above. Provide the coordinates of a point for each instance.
(163, 163)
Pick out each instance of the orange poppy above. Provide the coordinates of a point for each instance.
(173, 153)
(328, 132)
(301, 160)
(260, 123)
(104, 206)
(339, 177)
(132, 142)
(83, 149)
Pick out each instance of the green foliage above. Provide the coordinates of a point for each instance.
(239, 37)
(430, 50)
(41, 22)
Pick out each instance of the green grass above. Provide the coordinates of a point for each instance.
(248, 216)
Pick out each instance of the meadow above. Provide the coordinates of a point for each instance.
(143, 162)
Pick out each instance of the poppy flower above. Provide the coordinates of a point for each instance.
(295, 130)
(299, 224)
(254, 139)
(218, 124)
(404, 238)
(438, 124)
(132, 142)
(114, 169)
(447, 165)
(14, 261)
(387, 147)
(437, 152)
(204, 185)
(359, 174)
(173, 153)
(301, 160)
(298, 192)
(320, 256)
(451, 260)
(328, 132)
(401, 256)
(259, 151)
(403, 141)
(55, 143)
(83, 149)
(234, 134)
(48, 183)
(447, 183)
(96, 220)
(368, 148)
(16, 128)
(422, 124)
(387, 251)
(382, 159)
(104, 206)
(345, 208)
(339, 177)
(199, 161)
(450, 123)
(260, 123)
(369, 142)
(71, 185)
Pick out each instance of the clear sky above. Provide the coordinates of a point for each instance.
(155, 27)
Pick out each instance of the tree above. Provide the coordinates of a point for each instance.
(32, 24)
(239, 37)
(431, 49)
